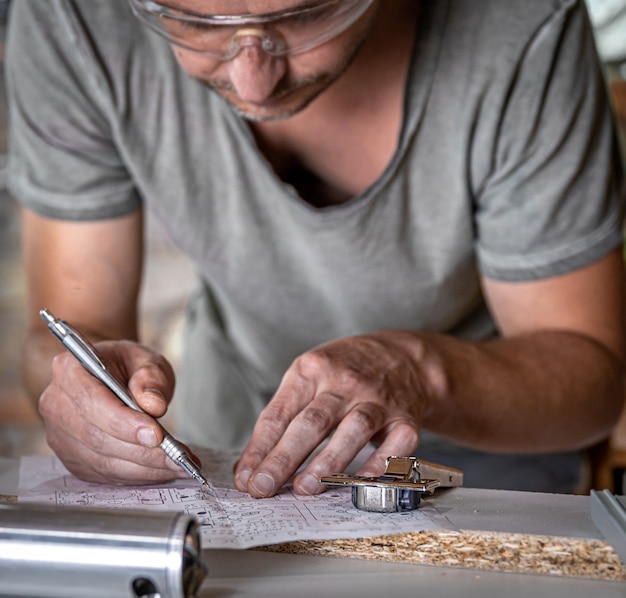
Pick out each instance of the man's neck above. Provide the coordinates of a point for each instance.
(343, 141)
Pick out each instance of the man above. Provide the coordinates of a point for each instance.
(405, 218)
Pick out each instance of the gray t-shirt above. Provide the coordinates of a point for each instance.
(505, 165)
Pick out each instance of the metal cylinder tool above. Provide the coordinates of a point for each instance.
(69, 552)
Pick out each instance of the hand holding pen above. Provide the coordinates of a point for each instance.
(91, 361)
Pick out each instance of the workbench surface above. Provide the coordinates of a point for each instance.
(519, 525)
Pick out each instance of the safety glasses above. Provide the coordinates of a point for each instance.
(290, 31)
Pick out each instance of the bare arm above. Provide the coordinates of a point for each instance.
(85, 272)
(554, 382)
(89, 273)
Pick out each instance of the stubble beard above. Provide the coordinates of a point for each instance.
(316, 83)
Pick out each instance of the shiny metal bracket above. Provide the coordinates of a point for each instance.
(400, 488)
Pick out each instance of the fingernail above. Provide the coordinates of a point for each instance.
(147, 437)
(241, 479)
(262, 484)
(154, 395)
(309, 484)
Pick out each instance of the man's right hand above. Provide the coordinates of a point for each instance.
(89, 273)
(97, 437)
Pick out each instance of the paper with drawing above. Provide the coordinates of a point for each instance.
(228, 518)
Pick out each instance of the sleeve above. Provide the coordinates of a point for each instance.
(63, 161)
(554, 198)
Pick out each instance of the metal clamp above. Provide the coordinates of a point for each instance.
(400, 488)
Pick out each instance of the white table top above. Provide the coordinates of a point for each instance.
(262, 574)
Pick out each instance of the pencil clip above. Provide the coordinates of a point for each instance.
(61, 329)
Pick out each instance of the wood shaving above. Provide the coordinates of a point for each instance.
(515, 553)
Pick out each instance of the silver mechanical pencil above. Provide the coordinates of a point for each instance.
(82, 349)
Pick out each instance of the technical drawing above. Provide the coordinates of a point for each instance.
(228, 518)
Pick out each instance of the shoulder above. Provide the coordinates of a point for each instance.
(495, 24)
(63, 15)
(87, 44)
(518, 14)
(64, 27)
(492, 42)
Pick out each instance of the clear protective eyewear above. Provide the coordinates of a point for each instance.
(289, 31)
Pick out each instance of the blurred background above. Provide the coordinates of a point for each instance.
(168, 275)
(168, 278)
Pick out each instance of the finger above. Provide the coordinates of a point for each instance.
(87, 465)
(150, 376)
(145, 458)
(80, 406)
(96, 412)
(93, 450)
(294, 393)
(98, 440)
(402, 440)
(268, 426)
(83, 417)
(309, 428)
(351, 435)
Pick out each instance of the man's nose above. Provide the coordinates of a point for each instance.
(253, 72)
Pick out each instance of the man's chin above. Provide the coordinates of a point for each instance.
(256, 113)
(274, 110)
(279, 108)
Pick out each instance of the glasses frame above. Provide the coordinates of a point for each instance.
(149, 12)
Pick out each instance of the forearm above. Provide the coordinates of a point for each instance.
(546, 391)
(553, 382)
(88, 272)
